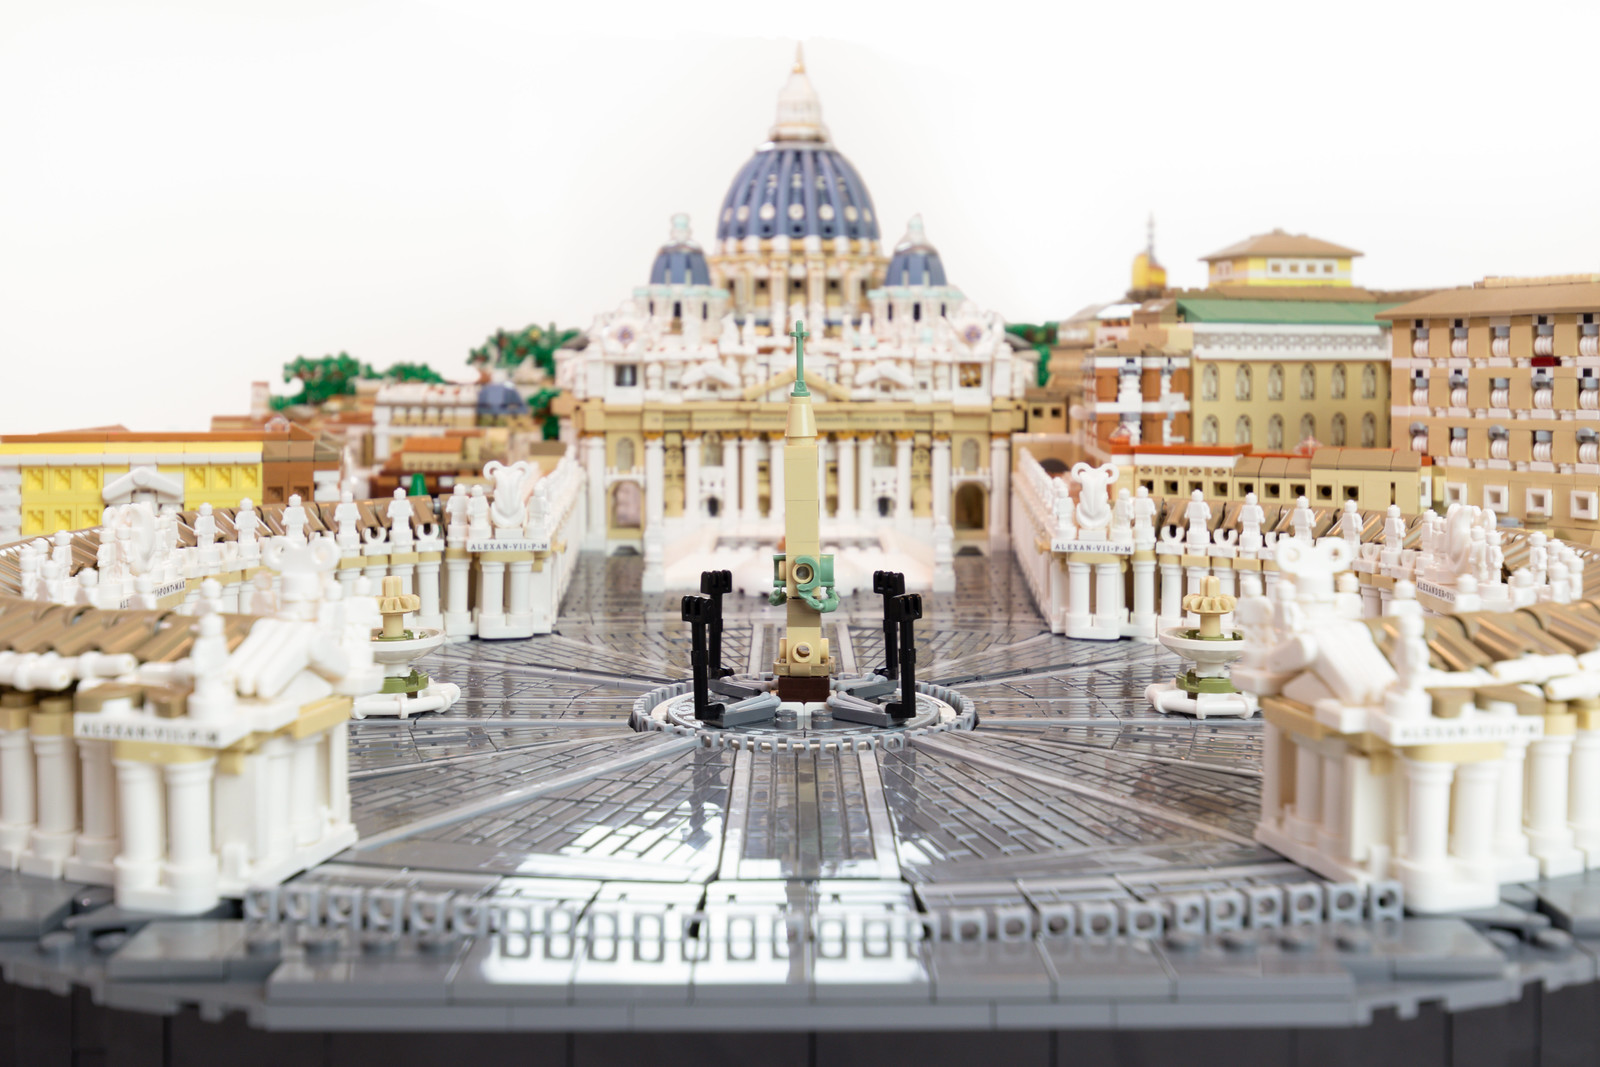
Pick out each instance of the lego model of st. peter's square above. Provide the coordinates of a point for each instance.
(802, 664)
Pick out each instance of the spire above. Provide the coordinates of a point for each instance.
(1150, 237)
(799, 110)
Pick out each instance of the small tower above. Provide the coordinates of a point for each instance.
(1149, 278)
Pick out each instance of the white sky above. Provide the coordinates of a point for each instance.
(192, 194)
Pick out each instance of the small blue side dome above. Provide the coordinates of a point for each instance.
(680, 261)
(915, 261)
(498, 398)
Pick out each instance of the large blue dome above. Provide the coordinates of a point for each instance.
(798, 189)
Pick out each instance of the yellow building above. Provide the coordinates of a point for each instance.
(1280, 258)
(64, 481)
(1280, 353)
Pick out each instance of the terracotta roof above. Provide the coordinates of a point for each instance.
(1473, 301)
(1279, 243)
(70, 630)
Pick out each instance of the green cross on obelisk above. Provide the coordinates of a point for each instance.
(799, 334)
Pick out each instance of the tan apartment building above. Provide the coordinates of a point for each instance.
(1499, 384)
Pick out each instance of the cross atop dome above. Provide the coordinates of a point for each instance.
(799, 110)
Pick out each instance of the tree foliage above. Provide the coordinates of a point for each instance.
(1040, 338)
(323, 379)
(510, 348)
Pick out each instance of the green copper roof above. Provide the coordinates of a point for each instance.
(1293, 312)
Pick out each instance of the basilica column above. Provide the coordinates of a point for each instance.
(867, 506)
(655, 481)
(999, 490)
(730, 480)
(847, 478)
(594, 461)
(902, 479)
(941, 480)
(749, 489)
(691, 479)
(775, 477)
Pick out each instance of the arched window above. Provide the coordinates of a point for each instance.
(883, 450)
(711, 450)
(1275, 382)
(1336, 435)
(1308, 427)
(1336, 390)
(1369, 430)
(1369, 382)
(1209, 430)
(1210, 382)
(1241, 430)
(624, 459)
(969, 454)
(1308, 382)
(1241, 382)
(1275, 434)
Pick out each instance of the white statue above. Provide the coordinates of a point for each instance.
(246, 522)
(1066, 524)
(89, 586)
(509, 510)
(1094, 500)
(1144, 516)
(1350, 526)
(1122, 517)
(477, 515)
(1394, 533)
(205, 527)
(213, 693)
(1251, 516)
(400, 516)
(1303, 520)
(1538, 558)
(1197, 516)
(294, 520)
(455, 510)
(347, 520)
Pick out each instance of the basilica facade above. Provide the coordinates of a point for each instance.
(677, 398)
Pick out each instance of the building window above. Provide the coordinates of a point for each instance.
(1336, 433)
(1241, 383)
(1308, 427)
(1369, 430)
(883, 450)
(1275, 434)
(1538, 502)
(1585, 504)
(711, 451)
(1241, 430)
(1369, 382)
(1455, 493)
(624, 456)
(885, 506)
(626, 374)
(1494, 498)
(1210, 382)
(1275, 382)
(1308, 382)
(677, 309)
(1209, 430)
(969, 454)
(1336, 387)
(916, 312)
(971, 375)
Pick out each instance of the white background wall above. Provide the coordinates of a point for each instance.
(192, 194)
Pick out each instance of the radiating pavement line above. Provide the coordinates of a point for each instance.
(646, 753)
(971, 751)
(738, 817)
(847, 651)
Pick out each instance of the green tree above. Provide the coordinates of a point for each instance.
(412, 372)
(1040, 338)
(510, 348)
(322, 379)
